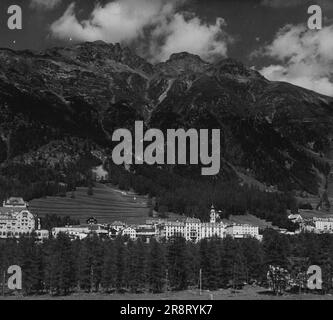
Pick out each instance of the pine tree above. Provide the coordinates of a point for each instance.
(178, 263)
(66, 266)
(109, 273)
(60, 271)
(212, 265)
(97, 253)
(193, 263)
(276, 249)
(157, 270)
(137, 266)
(121, 265)
(30, 264)
(84, 269)
(92, 262)
(254, 258)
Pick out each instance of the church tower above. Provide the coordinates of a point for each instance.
(213, 215)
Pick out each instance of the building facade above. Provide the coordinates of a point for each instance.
(81, 231)
(323, 225)
(194, 230)
(16, 220)
(129, 232)
(240, 231)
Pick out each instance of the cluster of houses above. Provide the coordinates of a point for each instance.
(314, 224)
(189, 228)
(16, 220)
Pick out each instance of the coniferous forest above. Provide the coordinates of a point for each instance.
(62, 267)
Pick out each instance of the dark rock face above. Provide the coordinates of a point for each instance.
(274, 132)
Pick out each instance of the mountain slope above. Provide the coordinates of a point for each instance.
(273, 132)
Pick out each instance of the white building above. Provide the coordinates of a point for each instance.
(80, 232)
(146, 232)
(240, 231)
(130, 232)
(42, 235)
(75, 232)
(195, 230)
(16, 220)
(323, 225)
(189, 228)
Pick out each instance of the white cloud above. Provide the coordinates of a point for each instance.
(160, 23)
(192, 35)
(304, 58)
(45, 4)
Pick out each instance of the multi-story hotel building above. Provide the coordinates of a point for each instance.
(15, 219)
(195, 230)
(239, 231)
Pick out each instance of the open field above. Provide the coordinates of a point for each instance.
(107, 204)
(248, 293)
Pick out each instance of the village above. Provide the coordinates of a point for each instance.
(16, 220)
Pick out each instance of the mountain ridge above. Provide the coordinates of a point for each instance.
(276, 133)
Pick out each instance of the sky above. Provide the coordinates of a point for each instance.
(271, 36)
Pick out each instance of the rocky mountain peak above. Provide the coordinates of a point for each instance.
(102, 53)
(234, 68)
(182, 62)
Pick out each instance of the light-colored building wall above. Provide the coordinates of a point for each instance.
(72, 231)
(243, 231)
(42, 235)
(194, 230)
(15, 219)
(130, 232)
(323, 225)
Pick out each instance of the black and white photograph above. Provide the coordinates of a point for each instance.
(166, 150)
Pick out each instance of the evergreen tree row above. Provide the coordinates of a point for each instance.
(61, 266)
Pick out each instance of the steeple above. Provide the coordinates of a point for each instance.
(212, 215)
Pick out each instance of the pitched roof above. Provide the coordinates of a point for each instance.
(15, 201)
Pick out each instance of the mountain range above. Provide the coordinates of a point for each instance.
(274, 134)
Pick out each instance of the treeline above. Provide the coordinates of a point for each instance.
(50, 221)
(61, 266)
(179, 194)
